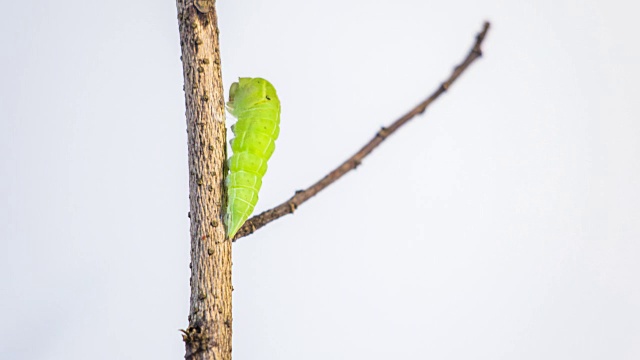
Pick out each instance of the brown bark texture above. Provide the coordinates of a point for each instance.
(209, 333)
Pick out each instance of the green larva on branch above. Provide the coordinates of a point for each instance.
(253, 101)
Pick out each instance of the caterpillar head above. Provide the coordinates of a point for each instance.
(248, 92)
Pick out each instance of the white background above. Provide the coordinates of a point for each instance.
(503, 224)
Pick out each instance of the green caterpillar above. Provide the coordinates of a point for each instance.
(253, 101)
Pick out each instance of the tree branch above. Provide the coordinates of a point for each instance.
(208, 336)
(289, 206)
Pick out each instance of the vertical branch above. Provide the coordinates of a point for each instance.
(209, 333)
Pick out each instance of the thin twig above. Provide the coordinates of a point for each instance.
(289, 206)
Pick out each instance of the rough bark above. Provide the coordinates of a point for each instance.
(209, 333)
